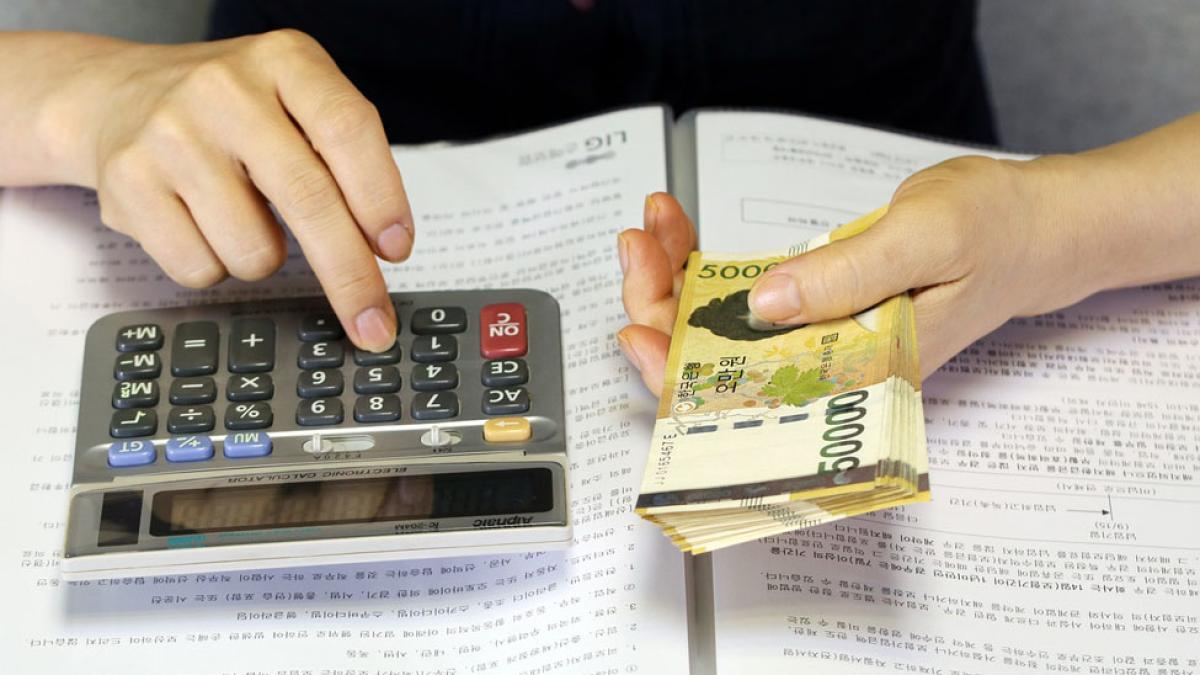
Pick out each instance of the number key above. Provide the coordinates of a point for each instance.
(319, 412)
(321, 355)
(434, 348)
(377, 380)
(319, 383)
(380, 408)
(434, 376)
(438, 405)
(439, 320)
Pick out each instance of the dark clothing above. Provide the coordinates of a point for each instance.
(460, 69)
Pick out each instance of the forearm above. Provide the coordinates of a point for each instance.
(1133, 207)
(49, 84)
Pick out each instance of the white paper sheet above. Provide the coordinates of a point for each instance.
(540, 210)
(1064, 462)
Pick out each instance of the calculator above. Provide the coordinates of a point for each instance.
(254, 435)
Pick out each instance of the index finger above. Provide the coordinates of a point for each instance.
(291, 175)
(345, 130)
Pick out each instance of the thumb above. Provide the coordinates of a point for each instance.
(842, 278)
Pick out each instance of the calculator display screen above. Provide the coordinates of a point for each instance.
(359, 500)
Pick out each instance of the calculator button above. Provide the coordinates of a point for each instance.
(189, 448)
(437, 405)
(135, 394)
(191, 391)
(504, 373)
(505, 401)
(137, 366)
(243, 416)
(319, 412)
(254, 387)
(434, 376)
(377, 380)
(378, 408)
(321, 355)
(247, 444)
(194, 350)
(139, 337)
(503, 331)
(434, 348)
(439, 320)
(320, 327)
(319, 383)
(507, 430)
(386, 358)
(251, 345)
(133, 422)
(190, 420)
(131, 453)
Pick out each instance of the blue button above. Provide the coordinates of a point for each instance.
(247, 444)
(131, 453)
(189, 448)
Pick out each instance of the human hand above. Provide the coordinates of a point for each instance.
(975, 239)
(186, 144)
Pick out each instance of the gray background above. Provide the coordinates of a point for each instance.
(1065, 74)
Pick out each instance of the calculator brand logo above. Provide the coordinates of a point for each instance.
(503, 522)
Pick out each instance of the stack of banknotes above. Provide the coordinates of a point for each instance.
(765, 429)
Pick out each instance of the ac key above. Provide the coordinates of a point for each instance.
(255, 387)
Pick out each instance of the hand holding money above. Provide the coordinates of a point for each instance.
(764, 429)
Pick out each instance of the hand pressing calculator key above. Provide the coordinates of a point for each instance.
(253, 435)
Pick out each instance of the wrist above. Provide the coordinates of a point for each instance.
(1080, 245)
(75, 101)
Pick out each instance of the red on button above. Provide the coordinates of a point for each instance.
(502, 331)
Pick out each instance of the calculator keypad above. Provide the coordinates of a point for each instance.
(193, 390)
(319, 412)
(194, 350)
(434, 348)
(191, 420)
(252, 346)
(319, 383)
(232, 383)
(256, 387)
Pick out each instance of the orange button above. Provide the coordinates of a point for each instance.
(507, 430)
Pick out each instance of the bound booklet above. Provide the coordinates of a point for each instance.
(1063, 451)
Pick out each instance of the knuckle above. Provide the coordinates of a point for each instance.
(345, 117)
(127, 168)
(836, 284)
(256, 261)
(197, 274)
(352, 281)
(168, 132)
(310, 193)
(214, 77)
(285, 41)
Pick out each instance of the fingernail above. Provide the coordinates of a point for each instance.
(373, 329)
(650, 213)
(623, 252)
(775, 297)
(627, 350)
(395, 243)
